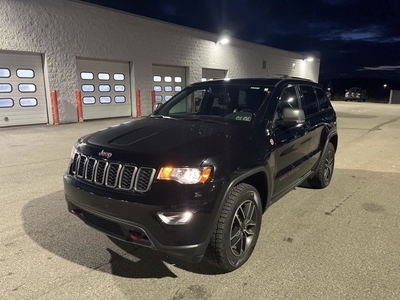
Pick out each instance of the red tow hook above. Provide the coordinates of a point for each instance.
(136, 236)
(75, 211)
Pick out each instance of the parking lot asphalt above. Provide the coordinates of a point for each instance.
(342, 242)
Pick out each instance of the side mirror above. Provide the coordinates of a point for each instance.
(291, 117)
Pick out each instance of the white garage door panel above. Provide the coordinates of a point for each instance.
(167, 81)
(105, 88)
(21, 80)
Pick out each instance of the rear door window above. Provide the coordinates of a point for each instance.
(308, 100)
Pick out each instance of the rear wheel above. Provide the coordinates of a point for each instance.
(324, 172)
(236, 233)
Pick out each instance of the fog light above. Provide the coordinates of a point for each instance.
(175, 218)
(76, 211)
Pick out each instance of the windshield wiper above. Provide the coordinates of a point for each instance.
(163, 117)
(205, 119)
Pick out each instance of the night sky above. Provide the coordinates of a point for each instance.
(353, 38)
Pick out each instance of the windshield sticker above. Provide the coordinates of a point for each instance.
(243, 118)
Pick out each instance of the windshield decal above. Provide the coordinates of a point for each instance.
(243, 118)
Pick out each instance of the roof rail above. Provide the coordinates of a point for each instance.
(293, 77)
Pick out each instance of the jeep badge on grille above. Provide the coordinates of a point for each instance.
(105, 154)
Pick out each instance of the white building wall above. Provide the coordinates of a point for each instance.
(63, 30)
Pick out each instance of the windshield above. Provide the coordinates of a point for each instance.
(226, 102)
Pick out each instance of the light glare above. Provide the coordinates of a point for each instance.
(175, 218)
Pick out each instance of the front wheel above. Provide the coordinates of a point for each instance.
(235, 236)
(324, 172)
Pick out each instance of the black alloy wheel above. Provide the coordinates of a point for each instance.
(242, 228)
(237, 230)
(324, 171)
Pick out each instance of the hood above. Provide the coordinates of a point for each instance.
(174, 141)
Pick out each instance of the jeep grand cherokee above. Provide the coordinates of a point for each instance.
(193, 178)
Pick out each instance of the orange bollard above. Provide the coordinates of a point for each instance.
(54, 102)
(79, 108)
(138, 104)
(153, 99)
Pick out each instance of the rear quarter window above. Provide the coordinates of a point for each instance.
(323, 101)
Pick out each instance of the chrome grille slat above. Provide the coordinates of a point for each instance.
(100, 172)
(143, 179)
(81, 166)
(112, 174)
(127, 177)
(74, 163)
(91, 164)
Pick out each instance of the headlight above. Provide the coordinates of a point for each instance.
(185, 175)
(73, 151)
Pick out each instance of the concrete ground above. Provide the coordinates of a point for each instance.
(342, 242)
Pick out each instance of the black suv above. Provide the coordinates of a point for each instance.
(194, 178)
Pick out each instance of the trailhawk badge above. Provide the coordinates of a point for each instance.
(105, 154)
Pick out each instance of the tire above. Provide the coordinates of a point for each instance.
(235, 236)
(324, 172)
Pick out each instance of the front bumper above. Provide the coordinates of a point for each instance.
(132, 217)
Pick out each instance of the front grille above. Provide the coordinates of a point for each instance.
(112, 174)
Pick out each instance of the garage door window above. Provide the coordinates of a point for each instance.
(157, 78)
(158, 99)
(178, 88)
(103, 76)
(168, 97)
(105, 99)
(87, 75)
(27, 87)
(119, 77)
(119, 88)
(168, 88)
(119, 99)
(25, 73)
(28, 102)
(5, 88)
(104, 88)
(6, 102)
(157, 88)
(168, 79)
(178, 79)
(4, 73)
(87, 88)
(89, 100)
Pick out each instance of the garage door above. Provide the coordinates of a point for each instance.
(105, 88)
(22, 93)
(210, 74)
(167, 81)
